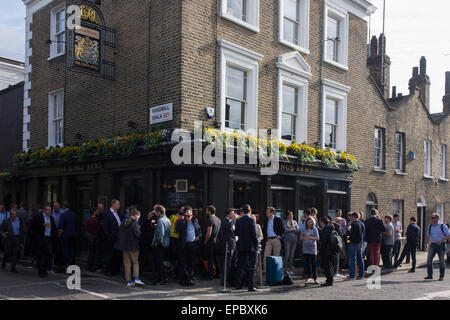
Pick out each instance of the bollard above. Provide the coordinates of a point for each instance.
(261, 284)
(225, 290)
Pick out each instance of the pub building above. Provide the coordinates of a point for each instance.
(150, 177)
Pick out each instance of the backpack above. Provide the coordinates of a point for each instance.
(335, 242)
(442, 230)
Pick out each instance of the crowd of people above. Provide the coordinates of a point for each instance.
(186, 246)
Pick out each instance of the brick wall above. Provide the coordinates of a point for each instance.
(183, 68)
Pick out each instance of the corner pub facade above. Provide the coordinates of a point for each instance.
(198, 57)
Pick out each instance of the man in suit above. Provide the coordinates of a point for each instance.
(273, 231)
(111, 223)
(247, 246)
(188, 243)
(44, 235)
(374, 236)
(227, 240)
(68, 232)
(12, 231)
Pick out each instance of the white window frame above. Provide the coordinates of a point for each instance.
(443, 162)
(53, 35)
(440, 208)
(245, 60)
(338, 92)
(380, 148)
(51, 107)
(400, 152)
(342, 17)
(399, 209)
(427, 159)
(294, 71)
(303, 27)
(252, 22)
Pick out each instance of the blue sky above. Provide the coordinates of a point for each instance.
(413, 29)
(12, 29)
(416, 28)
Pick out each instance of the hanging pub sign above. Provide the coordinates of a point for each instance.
(89, 43)
(88, 14)
(87, 49)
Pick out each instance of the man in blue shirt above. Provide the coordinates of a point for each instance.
(273, 231)
(190, 234)
(56, 213)
(161, 241)
(437, 237)
(12, 232)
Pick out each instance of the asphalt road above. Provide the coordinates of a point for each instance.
(394, 286)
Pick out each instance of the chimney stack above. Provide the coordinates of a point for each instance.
(394, 92)
(375, 61)
(420, 81)
(446, 99)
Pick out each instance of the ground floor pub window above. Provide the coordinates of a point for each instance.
(282, 200)
(310, 193)
(336, 200)
(181, 190)
(245, 192)
(51, 195)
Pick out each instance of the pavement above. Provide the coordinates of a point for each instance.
(26, 285)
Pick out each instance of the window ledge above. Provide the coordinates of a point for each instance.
(443, 179)
(56, 56)
(240, 22)
(336, 64)
(379, 170)
(294, 46)
(428, 177)
(400, 173)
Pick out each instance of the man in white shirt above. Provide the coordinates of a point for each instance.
(110, 224)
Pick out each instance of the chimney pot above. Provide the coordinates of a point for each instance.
(394, 92)
(447, 83)
(423, 66)
(373, 46)
(381, 44)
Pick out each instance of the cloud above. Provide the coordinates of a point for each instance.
(12, 29)
(14, 37)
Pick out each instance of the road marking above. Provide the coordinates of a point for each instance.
(29, 284)
(434, 295)
(87, 291)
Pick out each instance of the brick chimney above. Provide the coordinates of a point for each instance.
(374, 63)
(446, 99)
(420, 81)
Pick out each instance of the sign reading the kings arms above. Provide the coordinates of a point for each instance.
(80, 167)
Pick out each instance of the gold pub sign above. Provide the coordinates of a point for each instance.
(80, 167)
(287, 167)
(88, 14)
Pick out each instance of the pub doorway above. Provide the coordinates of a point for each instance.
(83, 205)
(282, 200)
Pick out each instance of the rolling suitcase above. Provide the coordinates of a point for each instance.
(275, 271)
